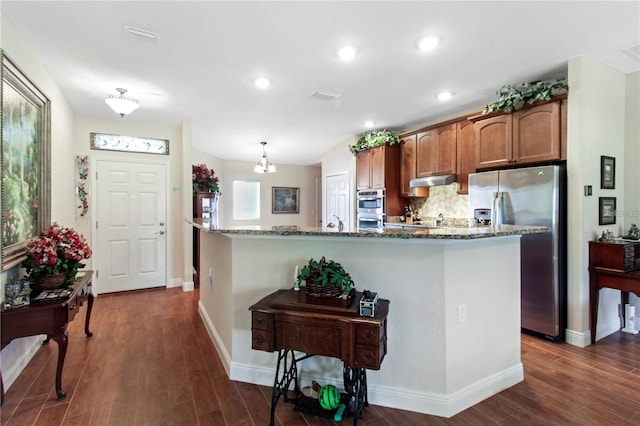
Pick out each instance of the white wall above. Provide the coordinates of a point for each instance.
(303, 177)
(339, 160)
(595, 127)
(18, 353)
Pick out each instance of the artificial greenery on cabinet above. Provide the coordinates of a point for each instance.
(515, 96)
(374, 138)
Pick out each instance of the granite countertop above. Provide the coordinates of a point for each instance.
(444, 233)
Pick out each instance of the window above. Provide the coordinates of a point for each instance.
(246, 200)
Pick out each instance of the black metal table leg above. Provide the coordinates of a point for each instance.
(355, 385)
(286, 373)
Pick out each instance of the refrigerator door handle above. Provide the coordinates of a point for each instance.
(496, 208)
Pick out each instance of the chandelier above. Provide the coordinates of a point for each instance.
(120, 104)
(264, 165)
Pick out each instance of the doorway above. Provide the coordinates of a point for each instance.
(131, 225)
(337, 200)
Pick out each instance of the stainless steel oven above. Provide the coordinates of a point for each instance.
(371, 208)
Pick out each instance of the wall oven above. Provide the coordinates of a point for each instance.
(371, 208)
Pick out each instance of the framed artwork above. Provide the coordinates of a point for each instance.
(607, 172)
(129, 143)
(285, 200)
(606, 210)
(26, 140)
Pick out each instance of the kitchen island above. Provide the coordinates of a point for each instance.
(454, 318)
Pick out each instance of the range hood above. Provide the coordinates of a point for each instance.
(432, 181)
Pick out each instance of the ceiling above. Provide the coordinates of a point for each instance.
(207, 55)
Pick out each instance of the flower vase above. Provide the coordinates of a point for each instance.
(49, 281)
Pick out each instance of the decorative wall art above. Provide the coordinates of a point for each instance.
(607, 172)
(285, 200)
(129, 144)
(606, 210)
(26, 140)
(82, 168)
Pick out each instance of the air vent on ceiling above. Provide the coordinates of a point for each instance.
(140, 33)
(327, 96)
(633, 52)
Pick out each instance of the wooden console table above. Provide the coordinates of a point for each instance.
(288, 321)
(612, 265)
(51, 319)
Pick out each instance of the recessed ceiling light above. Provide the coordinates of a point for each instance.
(262, 83)
(445, 96)
(369, 124)
(347, 53)
(428, 43)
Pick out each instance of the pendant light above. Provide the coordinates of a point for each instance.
(122, 105)
(264, 165)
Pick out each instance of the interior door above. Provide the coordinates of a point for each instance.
(131, 225)
(337, 200)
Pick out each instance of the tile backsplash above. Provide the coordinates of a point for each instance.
(444, 199)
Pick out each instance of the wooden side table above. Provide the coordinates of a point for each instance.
(288, 321)
(51, 319)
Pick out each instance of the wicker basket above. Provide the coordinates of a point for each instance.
(315, 289)
(48, 282)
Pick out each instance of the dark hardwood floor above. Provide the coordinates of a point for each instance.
(151, 362)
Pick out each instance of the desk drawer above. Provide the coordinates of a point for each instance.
(72, 308)
(261, 321)
(369, 356)
(369, 335)
(262, 340)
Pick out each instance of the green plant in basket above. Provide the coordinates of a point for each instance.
(325, 278)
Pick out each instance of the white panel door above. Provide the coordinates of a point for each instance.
(131, 226)
(337, 200)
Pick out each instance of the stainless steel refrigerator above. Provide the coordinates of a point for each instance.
(531, 196)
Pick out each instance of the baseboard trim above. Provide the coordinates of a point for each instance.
(187, 286)
(578, 338)
(29, 347)
(174, 282)
(215, 338)
(443, 405)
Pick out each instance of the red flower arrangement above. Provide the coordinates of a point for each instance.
(204, 179)
(57, 250)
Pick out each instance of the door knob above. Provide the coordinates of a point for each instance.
(161, 232)
(161, 223)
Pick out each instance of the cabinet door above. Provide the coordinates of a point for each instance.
(377, 166)
(494, 141)
(446, 150)
(466, 154)
(407, 163)
(425, 153)
(536, 134)
(363, 170)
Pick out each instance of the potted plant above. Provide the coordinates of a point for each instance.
(204, 179)
(53, 259)
(514, 97)
(325, 278)
(374, 138)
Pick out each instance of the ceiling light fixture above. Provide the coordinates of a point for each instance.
(262, 83)
(428, 43)
(445, 96)
(264, 165)
(347, 53)
(369, 124)
(122, 105)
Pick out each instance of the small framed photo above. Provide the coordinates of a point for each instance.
(285, 200)
(607, 172)
(606, 210)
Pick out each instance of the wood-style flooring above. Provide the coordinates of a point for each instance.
(151, 362)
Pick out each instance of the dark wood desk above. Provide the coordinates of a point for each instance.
(602, 277)
(288, 321)
(51, 319)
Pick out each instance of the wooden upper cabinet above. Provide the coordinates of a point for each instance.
(493, 141)
(445, 161)
(377, 166)
(466, 154)
(363, 169)
(528, 136)
(436, 151)
(425, 152)
(407, 163)
(536, 134)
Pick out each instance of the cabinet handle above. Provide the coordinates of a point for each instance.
(259, 320)
(368, 335)
(367, 357)
(259, 339)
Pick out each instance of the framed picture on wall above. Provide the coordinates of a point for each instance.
(606, 210)
(607, 172)
(26, 140)
(285, 200)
